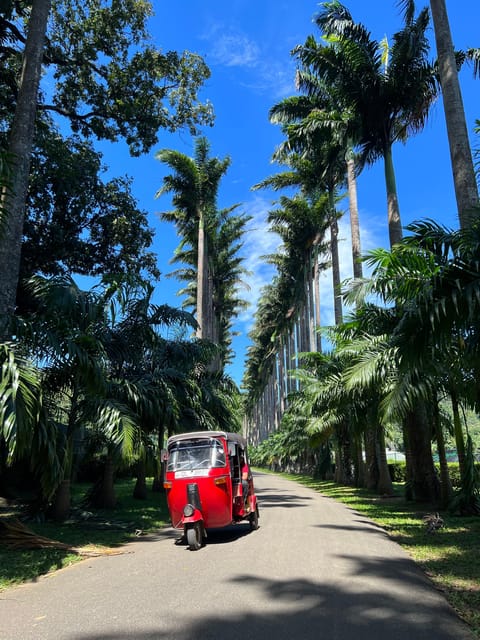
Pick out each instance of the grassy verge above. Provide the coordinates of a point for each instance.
(102, 531)
(450, 556)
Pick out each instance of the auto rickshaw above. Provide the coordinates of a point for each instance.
(203, 481)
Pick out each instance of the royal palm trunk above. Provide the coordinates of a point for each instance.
(466, 191)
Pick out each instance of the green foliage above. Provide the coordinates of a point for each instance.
(20, 393)
(290, 448)
(398, 471)
(106, 77)
(75, 221)
(106, 81)
(106, 369)
(390, 99)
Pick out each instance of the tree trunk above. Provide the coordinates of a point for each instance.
(20, 148)
(424, 481)
(62, 498)
(466, 191)
(360, 471)
(107, 498)
(202, 278)
(445, 483)
(384, 486)
(291, 360)
(140, 488)
(395, 232)
(157, 484)
(343, 456)
(61, 501)
(337, 298)
(371, 462)
(311, 302)
(354, 221)
(281, 375)
(316, 279)
(457, 425)
(339, 476)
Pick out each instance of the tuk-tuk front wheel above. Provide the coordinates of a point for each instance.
(194, 537)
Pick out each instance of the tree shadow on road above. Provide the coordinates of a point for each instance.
(309, 609)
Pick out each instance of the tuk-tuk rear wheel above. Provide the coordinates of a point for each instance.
(194, 537)
(254, 520)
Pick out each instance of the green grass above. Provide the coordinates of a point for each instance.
(450, 556)
(105, 531)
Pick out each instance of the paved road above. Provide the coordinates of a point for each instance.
(314, 570)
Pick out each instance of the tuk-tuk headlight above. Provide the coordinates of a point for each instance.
(188, 510)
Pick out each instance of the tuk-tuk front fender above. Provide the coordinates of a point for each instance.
(196, 516)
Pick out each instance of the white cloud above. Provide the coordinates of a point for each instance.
(231, 47)
(271, 77)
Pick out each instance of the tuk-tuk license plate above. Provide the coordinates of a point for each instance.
(192, 473)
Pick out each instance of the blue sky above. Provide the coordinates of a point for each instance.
(247, 46)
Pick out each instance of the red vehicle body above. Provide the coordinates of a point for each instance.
(203, 480)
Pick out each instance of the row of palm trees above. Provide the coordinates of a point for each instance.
(357, 97)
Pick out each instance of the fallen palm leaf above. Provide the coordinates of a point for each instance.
(15, 535)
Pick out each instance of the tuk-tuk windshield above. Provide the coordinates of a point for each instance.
(186, 455)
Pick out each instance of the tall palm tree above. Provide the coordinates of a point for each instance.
(194, 184)
(389, 88)
(316, 172)
(314, 119)
(226, 239)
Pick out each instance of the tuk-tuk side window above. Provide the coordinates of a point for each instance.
(196, 454)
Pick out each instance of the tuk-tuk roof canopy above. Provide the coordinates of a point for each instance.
(232, 437)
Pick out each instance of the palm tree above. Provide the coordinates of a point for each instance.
(27, 430)
(66, 334)
(227, 276)
(314, 120)
(389, 89)
(301, 226)
(466, 190)
(194, 185)
(147, 372)
(432, 278)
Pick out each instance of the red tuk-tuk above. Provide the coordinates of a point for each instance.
(203, 480)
